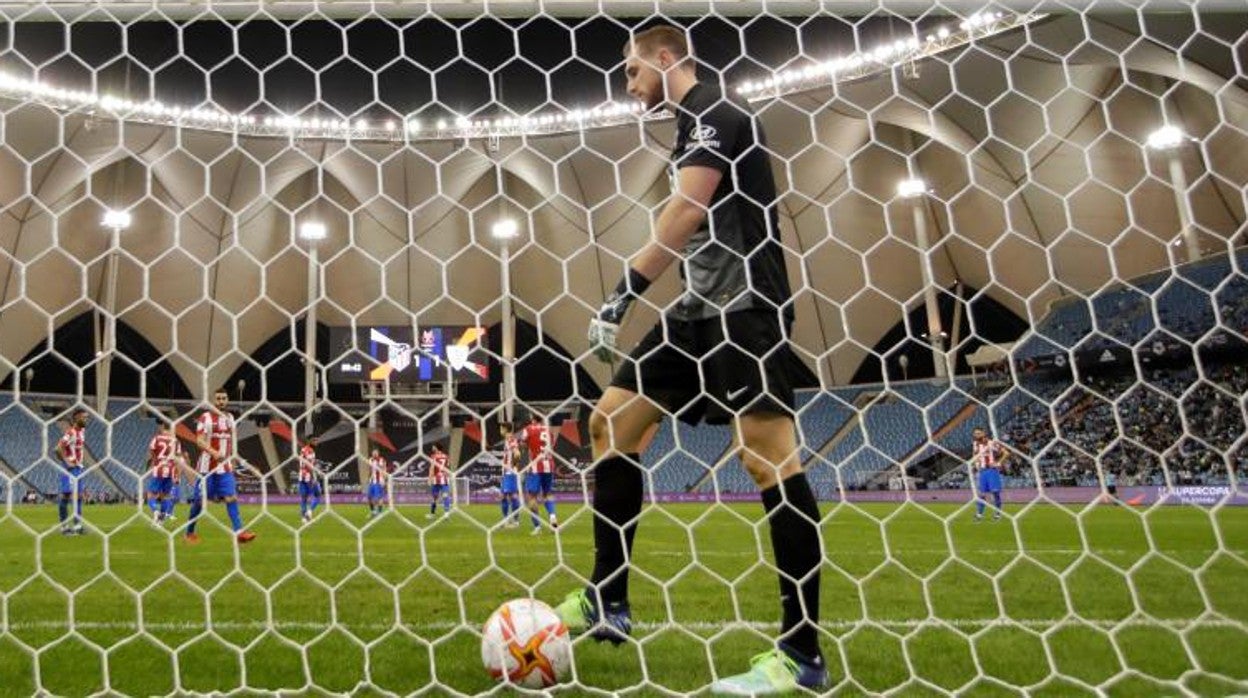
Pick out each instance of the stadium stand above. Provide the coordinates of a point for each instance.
(856, 437)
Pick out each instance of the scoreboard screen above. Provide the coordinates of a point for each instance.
(396, 354)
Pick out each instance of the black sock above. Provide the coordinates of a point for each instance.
(794, 518)
(619, 487)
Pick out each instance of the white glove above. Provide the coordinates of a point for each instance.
(602, 336)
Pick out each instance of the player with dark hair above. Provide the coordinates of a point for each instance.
(377, 476)
(309, 481)
(439, 482)
(539, 477)
(71, 448)
(509, 482)
(214, 435)
(720, 353)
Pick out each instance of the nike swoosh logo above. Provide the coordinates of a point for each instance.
(737, 393)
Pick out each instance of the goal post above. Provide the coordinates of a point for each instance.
(461, 491)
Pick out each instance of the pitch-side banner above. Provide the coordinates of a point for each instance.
(1157, 350)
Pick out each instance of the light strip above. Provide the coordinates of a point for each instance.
(883, 57)
(886, 56)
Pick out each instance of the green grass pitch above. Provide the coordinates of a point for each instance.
(916, 599)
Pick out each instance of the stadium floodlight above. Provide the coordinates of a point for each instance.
(313, 231)
(911, 188)
(116, 220)
(1166, 137)
(505, 229)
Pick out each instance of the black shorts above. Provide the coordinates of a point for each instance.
(689, 369)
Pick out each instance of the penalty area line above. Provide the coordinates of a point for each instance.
(902, 625)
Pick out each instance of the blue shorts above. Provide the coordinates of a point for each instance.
(376, 491)
(309, 489)
(539, 482)
(160, 485)
(510, 484)
(990, 480)
(219, 486)
(436, 490)
(69, 479)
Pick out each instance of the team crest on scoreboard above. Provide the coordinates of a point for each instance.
(398, 356)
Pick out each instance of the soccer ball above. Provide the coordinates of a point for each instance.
(526, 644)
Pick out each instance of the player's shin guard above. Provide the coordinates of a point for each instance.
(794, 517)
(236, 519)
(550, 507)
(62, 509)
(618, 492)
(166, 508)
(192, 518)
(979, 506)
(996, 500)
(152, 503)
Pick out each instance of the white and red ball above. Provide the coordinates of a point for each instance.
(526, 644)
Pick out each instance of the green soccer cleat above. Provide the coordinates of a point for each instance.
(576, 612)
(580, 615)
(773, 673)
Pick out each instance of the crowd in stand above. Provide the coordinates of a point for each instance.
(1183, 424)
(1190, 422)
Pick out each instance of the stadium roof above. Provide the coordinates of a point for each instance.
(1032, 146)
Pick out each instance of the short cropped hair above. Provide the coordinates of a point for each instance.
(663, 36)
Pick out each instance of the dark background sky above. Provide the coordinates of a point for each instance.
(427, 67)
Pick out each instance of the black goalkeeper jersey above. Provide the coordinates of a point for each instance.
(734, 261)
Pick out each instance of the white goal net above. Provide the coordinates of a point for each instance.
(388, 225)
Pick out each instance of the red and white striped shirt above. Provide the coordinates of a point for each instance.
(438, 473)
(218, 429)
(74, 445)
(163, 453)
(988, 454)
(377, 471)
(538, 438)
(307, 464)
(510, 446)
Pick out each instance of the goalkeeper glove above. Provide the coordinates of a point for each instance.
(605, 326)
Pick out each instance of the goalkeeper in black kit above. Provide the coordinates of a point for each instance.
(719, 354)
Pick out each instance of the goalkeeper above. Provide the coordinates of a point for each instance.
(719, 354)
